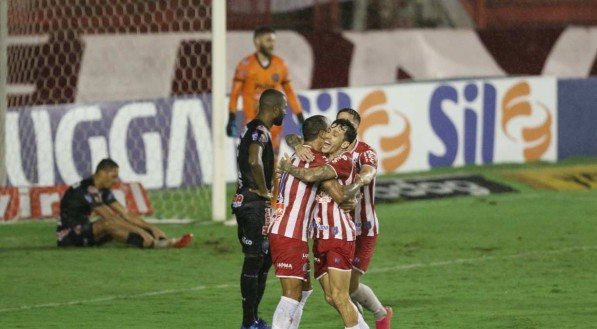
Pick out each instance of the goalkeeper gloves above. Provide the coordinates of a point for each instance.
(231, 129)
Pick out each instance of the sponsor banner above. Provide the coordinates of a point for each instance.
(161, 144)
(560, 179)
(434, 188)
(420, 126)
(167, 143)
(44, 202)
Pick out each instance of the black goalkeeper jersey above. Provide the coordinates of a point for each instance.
(78, 203)
(255, 132)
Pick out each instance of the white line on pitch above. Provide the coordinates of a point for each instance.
(227, 285)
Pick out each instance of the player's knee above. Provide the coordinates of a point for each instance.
(339, 298)
(252, 264)
(329, 299)
(293, 291)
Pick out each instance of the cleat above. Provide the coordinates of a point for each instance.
(253, 326)
(261, 324)
(184, 241)
(386, 322)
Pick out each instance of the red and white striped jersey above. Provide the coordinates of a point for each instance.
(295, 201)
(364, 214)
(329, 221)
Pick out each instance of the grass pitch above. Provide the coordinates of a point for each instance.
(518, 260)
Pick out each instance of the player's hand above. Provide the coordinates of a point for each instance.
(158, 234)
(265, 195)
(304, 153)
(349, 205)
(283, 164)
(231, 129)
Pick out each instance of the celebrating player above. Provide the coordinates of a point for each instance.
(288, 231)
(251, 204)
(334, 230)
(75, 229)
(365, 219)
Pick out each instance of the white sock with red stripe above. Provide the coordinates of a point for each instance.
(298, 313)
(365, 296)
(283, 314)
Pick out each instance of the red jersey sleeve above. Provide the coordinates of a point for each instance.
(368, 157)
(342, 164)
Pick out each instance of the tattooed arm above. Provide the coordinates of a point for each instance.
(296, 143)
(307, 175)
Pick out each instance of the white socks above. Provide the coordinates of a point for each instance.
(361, 324)
(298, 313)
(365, 296)
(283, 315)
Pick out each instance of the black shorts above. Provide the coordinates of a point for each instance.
(78, 236)
(250, 217)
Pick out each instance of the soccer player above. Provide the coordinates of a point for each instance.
(287, 232)
(334, 230)
(365, 218)
(255, 73)
(251, 204)
(93, 194)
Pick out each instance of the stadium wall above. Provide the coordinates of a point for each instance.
(70, 69)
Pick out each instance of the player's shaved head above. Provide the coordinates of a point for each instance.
(271, 98)
(272, 107)
(313, 126)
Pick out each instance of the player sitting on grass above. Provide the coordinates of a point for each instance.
(93, 194)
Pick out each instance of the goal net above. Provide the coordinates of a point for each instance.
(126, 79)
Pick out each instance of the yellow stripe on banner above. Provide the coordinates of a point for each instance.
(560, 179)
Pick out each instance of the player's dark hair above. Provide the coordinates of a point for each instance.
(262, 30)
(269, 98)
(106, 164)
(313, 125)
(350, 133)
(352, 112)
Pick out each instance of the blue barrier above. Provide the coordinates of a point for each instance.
(577, 117)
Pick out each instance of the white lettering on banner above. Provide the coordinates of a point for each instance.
(423, 54)
(154, 174)
(12, 142)
(99, 150)
(46, 201)
(573, 54)
(4, 201)
(24, 202)
(43, 139)
(64, 140)
(187, 113)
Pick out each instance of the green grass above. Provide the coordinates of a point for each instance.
(518, 260)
